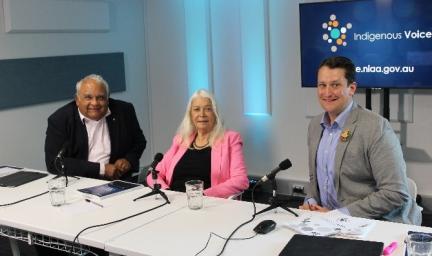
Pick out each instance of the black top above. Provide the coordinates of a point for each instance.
(194, 165)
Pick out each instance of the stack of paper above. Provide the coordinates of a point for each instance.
(331, 224)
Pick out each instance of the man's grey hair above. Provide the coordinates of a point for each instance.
(96, 78)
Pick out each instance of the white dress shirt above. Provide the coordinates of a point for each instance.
(99, 142)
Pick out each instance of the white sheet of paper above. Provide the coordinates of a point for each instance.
(4, 171)
(76, 204)
(332, 223)
(78, 207)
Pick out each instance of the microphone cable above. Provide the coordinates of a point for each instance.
(221, 237)
(76, 240)
(244, 223)
(25, 199)
(28, 198)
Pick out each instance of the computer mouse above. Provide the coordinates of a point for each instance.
(265, 226)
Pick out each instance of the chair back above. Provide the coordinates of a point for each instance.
(142, 175)
(237, 196)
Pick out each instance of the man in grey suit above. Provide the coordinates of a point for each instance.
(356, 163)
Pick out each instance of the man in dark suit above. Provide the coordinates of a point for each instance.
(100, 137)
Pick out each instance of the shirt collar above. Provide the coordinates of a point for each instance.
(340, 119)
(84, 119)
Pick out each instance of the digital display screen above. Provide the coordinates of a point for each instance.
(389, 41)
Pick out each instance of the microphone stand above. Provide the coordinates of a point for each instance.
(275, 202)
(156, 187)
(62, 169)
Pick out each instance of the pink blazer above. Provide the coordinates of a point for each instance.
(228, 169)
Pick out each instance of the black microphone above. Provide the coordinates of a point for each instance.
(156, 187)
(285, 164)
(157, 158)
(63, 149)
(59, 163)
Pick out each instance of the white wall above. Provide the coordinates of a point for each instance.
(23, 129)
(151, 33)
(268, 140)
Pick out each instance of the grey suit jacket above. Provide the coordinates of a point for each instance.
(370, 171)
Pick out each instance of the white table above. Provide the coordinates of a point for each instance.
(170, 230)
(185, 232)
(38, 217)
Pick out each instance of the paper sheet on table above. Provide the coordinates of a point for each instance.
(78, 207)
(332, 223)
(6, 170)
(76, 204)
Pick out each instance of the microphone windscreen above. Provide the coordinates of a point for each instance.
(285, 164)
(158, 157)
(63, 149)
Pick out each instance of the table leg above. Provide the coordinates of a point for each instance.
(14, 247)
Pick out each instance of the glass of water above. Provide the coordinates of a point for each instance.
(57, 191)
(419, 244)
(194, 192)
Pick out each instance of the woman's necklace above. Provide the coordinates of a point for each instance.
(200, 147)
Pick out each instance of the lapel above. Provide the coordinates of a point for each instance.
(316, 138)
(216, 160)
(81, 137)
(179, 152)
(113, 132)
(341, 147)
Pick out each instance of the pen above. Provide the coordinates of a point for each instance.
(307, 201)
(390, 248)
(93, 202)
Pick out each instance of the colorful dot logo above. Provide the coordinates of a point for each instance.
(335, 34)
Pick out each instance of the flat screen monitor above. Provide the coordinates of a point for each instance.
(389, 41)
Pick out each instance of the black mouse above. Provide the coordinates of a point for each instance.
(265, 226)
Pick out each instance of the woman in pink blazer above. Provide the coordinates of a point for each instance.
(203, 149)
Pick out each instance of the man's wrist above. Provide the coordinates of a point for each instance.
(102, 169)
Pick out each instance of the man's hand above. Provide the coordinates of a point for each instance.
(318, 208)
(116, 170)
(122, 165)
(313, 207)
(111, 172)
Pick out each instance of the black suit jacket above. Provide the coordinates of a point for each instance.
(66, 129)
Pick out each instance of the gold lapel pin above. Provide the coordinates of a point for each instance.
(345, 135)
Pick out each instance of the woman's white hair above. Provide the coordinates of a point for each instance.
(96, 78)
(187, 128)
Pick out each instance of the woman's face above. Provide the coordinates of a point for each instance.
(202, 115)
